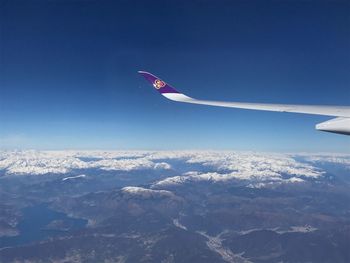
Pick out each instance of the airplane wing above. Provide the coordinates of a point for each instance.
(338, 111)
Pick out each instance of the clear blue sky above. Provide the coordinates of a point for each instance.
(68, 73)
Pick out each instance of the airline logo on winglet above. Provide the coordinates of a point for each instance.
(158, 84)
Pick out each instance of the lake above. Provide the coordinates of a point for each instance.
(33, 223)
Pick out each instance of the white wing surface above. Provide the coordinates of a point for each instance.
(343, 126)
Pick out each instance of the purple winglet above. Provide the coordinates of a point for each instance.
(159, 84)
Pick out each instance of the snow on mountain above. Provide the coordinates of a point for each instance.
(147, 193)
(343, 159)
(74, 177)
(216, 166)
(61, 162)
(262, 168)
(245, 165)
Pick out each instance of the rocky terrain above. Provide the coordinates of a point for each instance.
(174, 207)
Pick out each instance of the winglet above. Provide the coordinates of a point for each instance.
(157, 83)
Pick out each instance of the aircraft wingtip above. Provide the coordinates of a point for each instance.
(157, 83)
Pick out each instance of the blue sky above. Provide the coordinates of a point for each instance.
(68, 73)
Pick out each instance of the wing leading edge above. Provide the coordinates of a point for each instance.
(338, 111)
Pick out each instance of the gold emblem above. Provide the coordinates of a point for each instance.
(159, 84)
